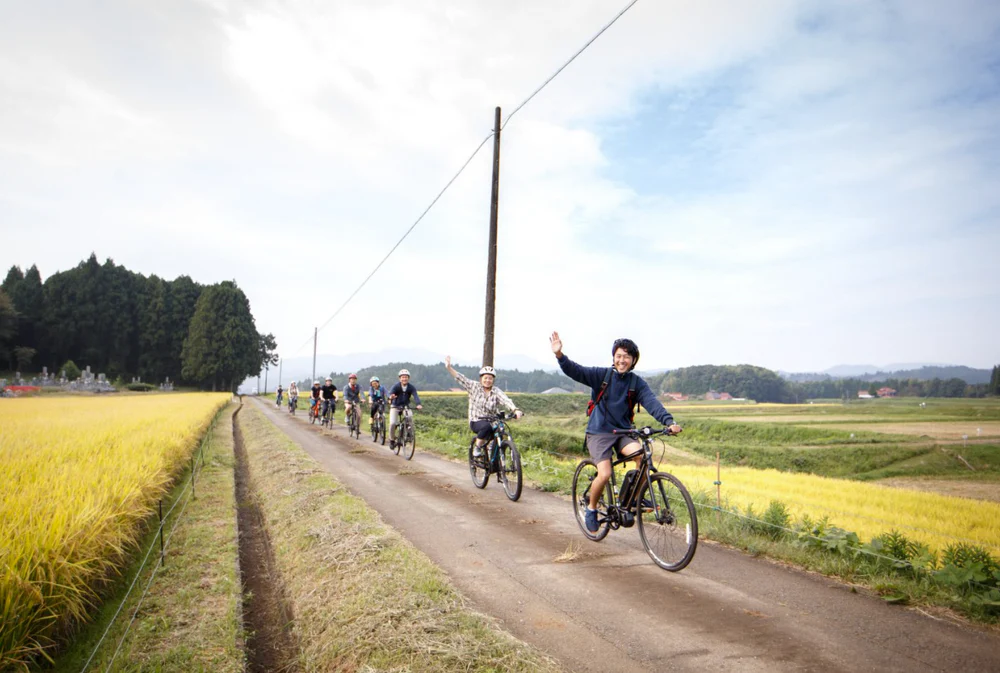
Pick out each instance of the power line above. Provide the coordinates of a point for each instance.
(467, 162)
(572, 58)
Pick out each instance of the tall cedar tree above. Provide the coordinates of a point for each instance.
(223, 346)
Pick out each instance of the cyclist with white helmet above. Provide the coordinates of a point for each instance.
(484, 398)
(352, 396)
(399, 397)
(329, 392)
(376, 395)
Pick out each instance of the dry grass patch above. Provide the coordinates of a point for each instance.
(362, 596)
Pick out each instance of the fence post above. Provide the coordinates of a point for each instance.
(718, 481)
(162, 559)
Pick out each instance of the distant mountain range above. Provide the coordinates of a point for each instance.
(910, 370)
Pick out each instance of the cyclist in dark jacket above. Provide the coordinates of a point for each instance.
(329, 392)
(399, 397)
(352, 397)
(612, 412)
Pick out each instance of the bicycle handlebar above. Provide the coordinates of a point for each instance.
(643, 432)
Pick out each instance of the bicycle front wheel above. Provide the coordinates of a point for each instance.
(374, 429)
(668, 523)
(510, 469)
(586, 471)
(478, 465)
(409, 441)
(381, 428)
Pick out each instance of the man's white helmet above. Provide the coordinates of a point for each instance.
(315, 383)
(373, 379)
(488, 370)
(403, 372)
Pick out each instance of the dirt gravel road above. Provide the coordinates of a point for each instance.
(611, 609)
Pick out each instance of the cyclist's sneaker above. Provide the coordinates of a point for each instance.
(591, 520)
(647, 503)
(477, 451)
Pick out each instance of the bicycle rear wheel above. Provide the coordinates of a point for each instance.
(409, 440)
(478, 465)
(585, 473)
(510, 469)
(668, 523)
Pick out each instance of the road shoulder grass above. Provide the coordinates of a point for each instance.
(363, 598)
(190, 619)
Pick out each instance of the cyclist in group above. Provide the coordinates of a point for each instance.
(315, 393)
(615, 392)
(329, 396)
(277, 403)
(293, 396)
(484, 398)
(352, 397)
(399, 397)
(376, 396)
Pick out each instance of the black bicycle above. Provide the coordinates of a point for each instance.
(378, 424)
(329, 409)
(658, 501)
(500, 457)
(354, 421)
(404, 441)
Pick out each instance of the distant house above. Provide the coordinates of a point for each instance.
(712, 395)
(886, 392)
(864, 395)
(555, 391)
(676, 397)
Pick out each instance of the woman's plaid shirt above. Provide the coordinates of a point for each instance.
(482, 405)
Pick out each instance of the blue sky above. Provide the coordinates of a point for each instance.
(789, 184)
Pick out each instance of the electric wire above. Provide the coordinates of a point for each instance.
(572, 58)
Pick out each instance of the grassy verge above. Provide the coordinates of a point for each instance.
(362, 597)
(189, 620)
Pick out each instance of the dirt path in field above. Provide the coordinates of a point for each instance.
(610, 608)
(266, 616)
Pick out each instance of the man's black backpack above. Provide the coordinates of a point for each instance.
(631, 397)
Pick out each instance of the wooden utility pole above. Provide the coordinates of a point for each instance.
(281, 363)
(315, 335)
(491, 269)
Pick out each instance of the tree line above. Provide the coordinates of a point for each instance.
(124, 324)
(764, 385)
(751, 382)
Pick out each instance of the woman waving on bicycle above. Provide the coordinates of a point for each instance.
(615, 393)
(484, 400)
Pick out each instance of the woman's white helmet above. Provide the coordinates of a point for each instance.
(488, 370)
(373, 379)
(403, 372)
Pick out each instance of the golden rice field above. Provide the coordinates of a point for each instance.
(864, 508)
(80, 475)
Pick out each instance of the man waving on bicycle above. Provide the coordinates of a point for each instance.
(484, 399)
(615, 393)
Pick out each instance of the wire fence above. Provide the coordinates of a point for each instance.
(186, 494)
